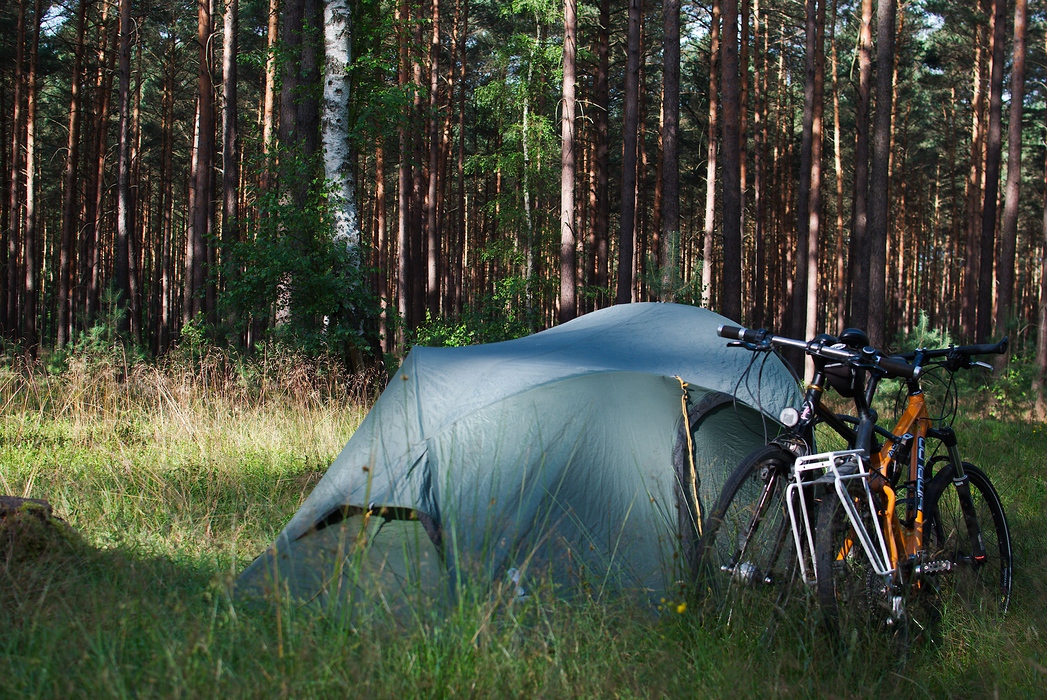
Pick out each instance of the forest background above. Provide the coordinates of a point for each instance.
(359, 175)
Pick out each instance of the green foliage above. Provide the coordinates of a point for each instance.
(495, 318)
(669, 284)
(923, 335)
(288, 275)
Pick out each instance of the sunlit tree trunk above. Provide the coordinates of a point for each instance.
(31, 217)
(230, 134)
(338, 159)
(731, 307)
(805, 217)
(814, 209)
(461, 41)
(567, 166)
(15, 219)
(432, 221)
(839, 281)
(993, 148)
(269, 92)
(403, 198)
(710, 168)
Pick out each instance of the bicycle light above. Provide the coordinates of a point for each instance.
(789, 417)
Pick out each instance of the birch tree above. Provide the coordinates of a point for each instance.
(334, 125)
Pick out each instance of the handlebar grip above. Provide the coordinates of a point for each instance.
(738, 333)
(897, 367)
(987, 348)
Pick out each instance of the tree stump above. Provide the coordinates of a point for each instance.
(9, 505)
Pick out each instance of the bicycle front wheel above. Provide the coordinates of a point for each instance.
(855, 601)
(964, 584)
(746, 558)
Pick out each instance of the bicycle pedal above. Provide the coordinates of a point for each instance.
(934, 567)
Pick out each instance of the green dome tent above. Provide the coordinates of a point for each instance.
(562, 457)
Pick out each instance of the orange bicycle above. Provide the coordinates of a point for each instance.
(945, 543)
(902, 524)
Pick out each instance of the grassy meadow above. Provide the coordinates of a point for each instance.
(173, 477)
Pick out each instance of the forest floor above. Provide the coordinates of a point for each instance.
(172, 479)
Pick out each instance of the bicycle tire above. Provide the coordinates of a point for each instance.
(736, 579)
(976, 590)
(856, 603)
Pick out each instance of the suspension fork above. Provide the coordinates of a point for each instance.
(770, 486)
(963, 492)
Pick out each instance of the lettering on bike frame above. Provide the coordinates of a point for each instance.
(921, 443)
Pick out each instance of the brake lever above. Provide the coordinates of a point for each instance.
(752, 347)
(983, 365)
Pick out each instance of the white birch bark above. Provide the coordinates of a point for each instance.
(334, 125)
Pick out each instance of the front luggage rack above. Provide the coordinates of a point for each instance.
(810, 478)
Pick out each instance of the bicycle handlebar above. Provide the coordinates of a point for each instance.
(960, 351)
(868, 357)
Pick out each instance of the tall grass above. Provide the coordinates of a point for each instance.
(173, 477)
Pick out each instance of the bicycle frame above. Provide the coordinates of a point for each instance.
(906, 538)
(897, 542)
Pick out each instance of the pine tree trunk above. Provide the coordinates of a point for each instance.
(1040, 409)
(90, 264)
(165, 284)
(731, 307)
(803, 200)
(839, 282)
(879, 180)
(760, 228)
(461, 38)
(1009, 230)
(124, 219)
(670, 163)
(69, 198)
(814, 209)
(859, 252)
(230, 133)
(417, 223)
(269, 93)
(31, 218)
(432, 222)
(710, 168)
(602, 205)
(629, 136)
(15, 219)
(567, 166)
(203, 156)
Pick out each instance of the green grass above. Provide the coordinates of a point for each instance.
(172, 479)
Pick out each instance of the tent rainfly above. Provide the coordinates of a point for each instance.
(583, 455)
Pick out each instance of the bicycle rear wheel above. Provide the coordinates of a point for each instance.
(746, 559)
(964, 586)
